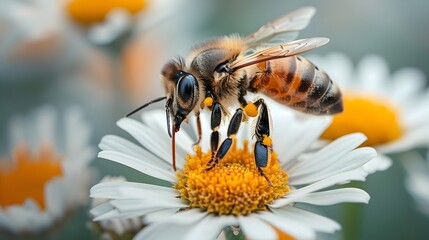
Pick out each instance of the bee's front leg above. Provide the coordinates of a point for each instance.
(199, 129)
(233, 127)
(215, 120)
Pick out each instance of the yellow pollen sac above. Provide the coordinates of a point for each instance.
(233, 186)
(377, 119)
(27, 177)
(267, 141)
(89, 12)
(208, 101)
(251, 110)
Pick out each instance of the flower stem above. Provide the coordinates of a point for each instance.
(352, 216)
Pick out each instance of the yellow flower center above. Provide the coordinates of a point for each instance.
(88, 12)
(234, 185)
(27, 176)
(376, 118)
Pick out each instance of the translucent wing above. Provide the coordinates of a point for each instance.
(282, 29)
(279, 51)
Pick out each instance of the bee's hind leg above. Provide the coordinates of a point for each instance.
(234, 125)
(263, 141)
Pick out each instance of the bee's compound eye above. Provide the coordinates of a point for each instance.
(186, 89)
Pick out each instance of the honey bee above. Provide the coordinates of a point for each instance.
(219, 73)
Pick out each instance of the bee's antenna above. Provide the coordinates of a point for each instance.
(145, 105)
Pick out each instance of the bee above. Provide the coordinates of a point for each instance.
(218, 73)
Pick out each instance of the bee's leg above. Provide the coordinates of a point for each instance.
(233, 127)
(263, 140)
(199, 130)
(215, 119)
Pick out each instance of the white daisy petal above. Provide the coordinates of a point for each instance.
(288, 225)
(310, 219)
(351, 160)
(163, 231)
(177, 225)
(414, 138)
(379, 163)
(255, 228)
(76, 126)
(116, 23)
(147, 137)
(115, 143)
(336, 196)
(46, 121)
(356, 175)
(101, 209)
(138, 164)
(159, 215)
(187, 217)
(330, 153)
(406, 83)
(416, 116)
(372, 72)
(210, 227)
(124, 205)
(156, 120)
(124, 190)
(298, 137)
(115, 214)
(417, 180)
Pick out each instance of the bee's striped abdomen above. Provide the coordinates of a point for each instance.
(299, 84)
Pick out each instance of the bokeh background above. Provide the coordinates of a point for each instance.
(109, 79)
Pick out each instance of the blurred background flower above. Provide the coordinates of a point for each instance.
(46, 175)
(391, 110)
(47, 56)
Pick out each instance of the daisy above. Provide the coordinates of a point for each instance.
(47, 174)
(198, 204)
(390, 109)
(108, 20)
(116, 228)
(417, 180)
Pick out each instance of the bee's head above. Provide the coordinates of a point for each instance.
(182, 92)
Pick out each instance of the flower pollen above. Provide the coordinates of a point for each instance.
(27, 176)
(234, 185)
(378, 120)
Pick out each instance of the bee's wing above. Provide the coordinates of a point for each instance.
(282, 29)
(279, 51)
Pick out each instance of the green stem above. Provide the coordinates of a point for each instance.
(352, 218)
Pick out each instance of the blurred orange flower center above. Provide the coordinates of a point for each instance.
(27, 175)
(92, 11)
(376, 118)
